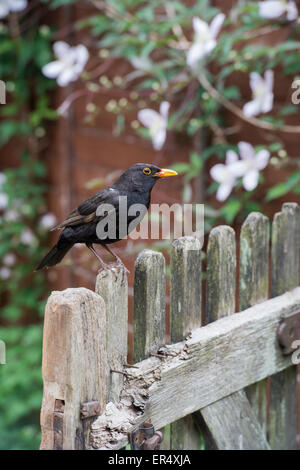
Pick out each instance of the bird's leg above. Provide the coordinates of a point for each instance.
(120, 262)
(90, 247)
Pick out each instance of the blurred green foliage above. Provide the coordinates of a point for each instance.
(25, 46)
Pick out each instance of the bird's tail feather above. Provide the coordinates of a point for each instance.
(55, 255)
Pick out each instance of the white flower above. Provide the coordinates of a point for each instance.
(5, 273)
(251, 164)
(271, 9)
(27, 237)
(69, 64)
(48, 220)
(226, 174)
(157, 123)
(12, 215)
(6, 6)
(9, 259)
(205, 38)
(262, 92)
(3, 201)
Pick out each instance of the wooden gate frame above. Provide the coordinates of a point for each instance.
(212, 381)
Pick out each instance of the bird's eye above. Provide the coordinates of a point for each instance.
(147, 171)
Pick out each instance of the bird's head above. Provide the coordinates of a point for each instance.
(144, 176)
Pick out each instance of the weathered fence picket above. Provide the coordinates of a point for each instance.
(285, 276)
(149, 304)
(211, 381)
(185, 316)
(254, 288)
(113, 288)
(220, 273)
(231, 421)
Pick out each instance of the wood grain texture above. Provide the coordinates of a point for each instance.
(113, 288)
(185, 308)
(216, 361)
(220, 272)
(149, 304)
(185, 312)
(234, 424)
(285, 275)
(254, 260)
(74, 365)
(254, 288)
(285, 249)
(223, 418)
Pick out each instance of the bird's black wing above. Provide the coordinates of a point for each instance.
(86, 211)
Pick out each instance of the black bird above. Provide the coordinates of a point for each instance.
(80, 226)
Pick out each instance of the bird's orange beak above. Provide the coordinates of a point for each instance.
(164, 172)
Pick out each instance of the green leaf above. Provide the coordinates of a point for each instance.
(231, 209)
(283, 188)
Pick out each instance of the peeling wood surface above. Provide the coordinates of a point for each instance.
(218, 360)
(74, 365)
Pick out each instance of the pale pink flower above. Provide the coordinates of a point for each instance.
(157, 123)
(205, 39)
(6, 6)
(69, 65)
(262, 92)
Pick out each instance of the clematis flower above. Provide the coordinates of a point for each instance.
(227, 174)
(9, 259)
(48, 220)
(6, 6)
(69, 64)
(5, 273)
(205, 38)
(27, 237)
(272, 9)
(11, 215)
(157, 123)
(3, 201)
(251, 164)
(262, 91)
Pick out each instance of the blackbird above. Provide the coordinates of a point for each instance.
(80, 226)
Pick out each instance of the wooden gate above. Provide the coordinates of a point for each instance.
(230, 384)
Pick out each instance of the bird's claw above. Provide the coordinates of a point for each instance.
(119, 265)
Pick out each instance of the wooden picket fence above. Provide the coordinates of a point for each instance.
(226, 385)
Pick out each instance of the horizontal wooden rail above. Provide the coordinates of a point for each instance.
(214, 362)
